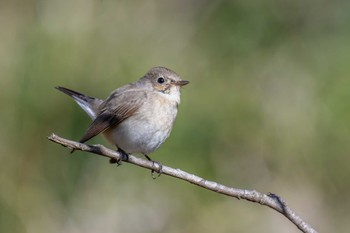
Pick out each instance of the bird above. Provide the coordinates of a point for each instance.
(137, 117)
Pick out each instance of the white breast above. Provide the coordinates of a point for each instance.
(148, 128)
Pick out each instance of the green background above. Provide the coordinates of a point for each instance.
(268, 108)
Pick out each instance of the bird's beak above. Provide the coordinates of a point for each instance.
(181, 83)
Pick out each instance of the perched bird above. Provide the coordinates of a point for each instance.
(137, 117)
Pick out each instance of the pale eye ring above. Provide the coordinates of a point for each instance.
(160, 80)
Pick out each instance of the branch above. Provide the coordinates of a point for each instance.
(271, 200)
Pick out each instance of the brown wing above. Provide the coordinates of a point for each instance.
(113, 111)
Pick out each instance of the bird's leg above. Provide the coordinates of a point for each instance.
(159, 165)
(124, 157)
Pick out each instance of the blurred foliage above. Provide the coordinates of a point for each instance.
(267, 108)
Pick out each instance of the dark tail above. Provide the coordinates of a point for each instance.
(75, 94)
(89, 104)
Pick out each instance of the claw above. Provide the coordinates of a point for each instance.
(159, 172)
(124, 157)
(115, 161)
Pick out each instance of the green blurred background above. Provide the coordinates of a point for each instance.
(268, 108)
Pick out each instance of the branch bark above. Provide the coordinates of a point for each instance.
(271, 200)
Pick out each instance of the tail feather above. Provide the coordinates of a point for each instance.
(75, 94)
(89, 104)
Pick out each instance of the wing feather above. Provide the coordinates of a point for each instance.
(115, 110)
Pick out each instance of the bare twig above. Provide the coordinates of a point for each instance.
(271, 200)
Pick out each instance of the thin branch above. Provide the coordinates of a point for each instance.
(271, 200)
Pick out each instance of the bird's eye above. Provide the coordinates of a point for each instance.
(160, 80)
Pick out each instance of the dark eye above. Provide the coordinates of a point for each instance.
(160, 80)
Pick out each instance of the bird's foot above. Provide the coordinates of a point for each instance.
(124, 157)
(157, 164)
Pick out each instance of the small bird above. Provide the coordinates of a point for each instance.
(137, 117)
